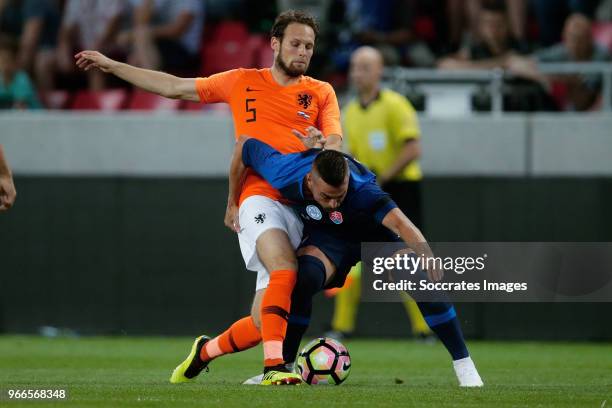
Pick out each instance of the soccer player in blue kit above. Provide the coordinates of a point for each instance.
(341, 206)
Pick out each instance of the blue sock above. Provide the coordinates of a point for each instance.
(310, 280)
(442, 320)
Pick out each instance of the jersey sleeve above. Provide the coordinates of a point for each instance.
(374, 201)
(404, 121)
(218, 87)
(276, 168)
(329, 113)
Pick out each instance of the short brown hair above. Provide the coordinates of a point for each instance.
(292, 16)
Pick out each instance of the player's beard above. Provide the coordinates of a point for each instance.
(290, 72)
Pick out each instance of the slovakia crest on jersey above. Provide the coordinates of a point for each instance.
(336, 217)
(314, 212)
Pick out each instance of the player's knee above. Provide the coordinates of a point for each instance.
(311, 275)
(313, 251)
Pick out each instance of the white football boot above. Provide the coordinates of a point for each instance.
(466, 373)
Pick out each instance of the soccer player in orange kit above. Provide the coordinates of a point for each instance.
(273, 105)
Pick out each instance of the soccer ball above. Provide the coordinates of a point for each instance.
(324, 361)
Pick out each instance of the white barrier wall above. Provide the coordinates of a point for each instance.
(126, 144)
(474, 146)
(577, 145)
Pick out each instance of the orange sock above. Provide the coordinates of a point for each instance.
(275, 313)
(241, 335)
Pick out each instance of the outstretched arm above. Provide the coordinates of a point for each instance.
(156, 82)
(397, 222)
(7, 187)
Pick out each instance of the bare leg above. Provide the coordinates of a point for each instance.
(517, 15)
(456, 21)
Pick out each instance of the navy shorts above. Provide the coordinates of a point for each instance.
(342, 252)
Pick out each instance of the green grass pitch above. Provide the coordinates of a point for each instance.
(134, 372)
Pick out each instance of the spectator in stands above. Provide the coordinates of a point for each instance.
(577, 46)
(89, 24)
(383, 24)
(166, 34)
(16, 90)
(551, 14)
(36, 24)
(493, 46)
(463, 16)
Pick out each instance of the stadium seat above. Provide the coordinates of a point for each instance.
(602, 32)
(230, 31)
(56, 99)
(262, 52)
(223, 56)
(424, 28)
(107, 101)
(147, 101)
(226, 49)
(558, 92)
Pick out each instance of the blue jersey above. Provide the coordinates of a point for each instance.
(358, 218)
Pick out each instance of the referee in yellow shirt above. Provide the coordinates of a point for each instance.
(382, 131)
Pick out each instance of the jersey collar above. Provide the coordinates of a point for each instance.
(376, 98)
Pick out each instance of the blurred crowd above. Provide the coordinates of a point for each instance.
(38, 39)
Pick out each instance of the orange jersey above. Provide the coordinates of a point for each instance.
(267, 111)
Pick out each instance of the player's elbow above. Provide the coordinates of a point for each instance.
(173, 90)
(181, 88)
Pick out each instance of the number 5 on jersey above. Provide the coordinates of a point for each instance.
(250, 109)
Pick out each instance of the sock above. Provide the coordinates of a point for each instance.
(310, 280)
(241, 335)
(442, 319)
(347, 302)
(275, 313)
